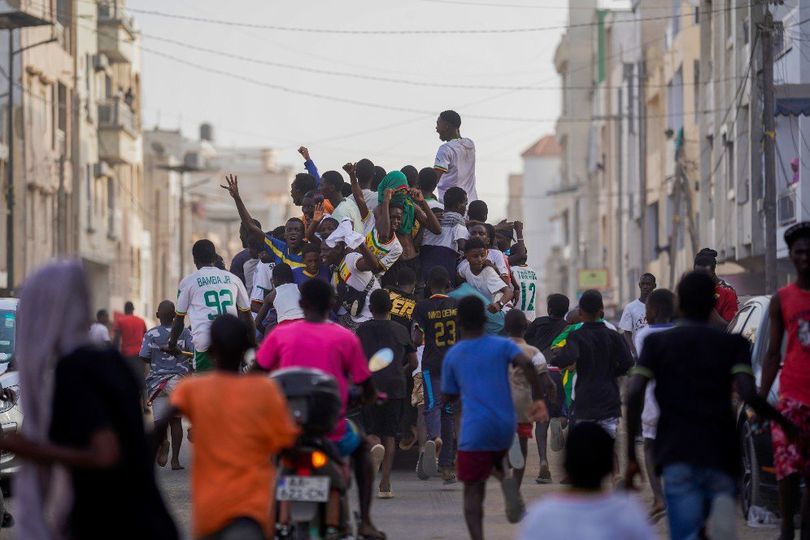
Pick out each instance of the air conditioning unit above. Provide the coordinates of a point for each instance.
(101, 62)
(102, 169)
(193, 160)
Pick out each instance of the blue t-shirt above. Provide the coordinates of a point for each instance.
(494, 324)
(478, 370)
(300, 276)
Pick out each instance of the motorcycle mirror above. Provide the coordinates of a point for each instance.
(381, 360)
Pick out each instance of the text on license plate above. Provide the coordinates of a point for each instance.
(303, 488)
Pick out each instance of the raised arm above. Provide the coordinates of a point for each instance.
(426, 217)
(309, 165)
(232, 187)
(357, 191)
(382, 217)
(518, 250)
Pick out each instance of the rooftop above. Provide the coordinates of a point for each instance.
(546, 147)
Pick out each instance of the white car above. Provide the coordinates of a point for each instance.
(10, 413)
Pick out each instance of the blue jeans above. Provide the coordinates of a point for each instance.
(690, 491)
(439, 418)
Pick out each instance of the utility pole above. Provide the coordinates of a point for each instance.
(10, 168)
(769, 199)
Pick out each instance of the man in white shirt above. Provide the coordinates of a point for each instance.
(203, 296)
(100, 330)
(331, 185)
(455, 159)
(634, 316)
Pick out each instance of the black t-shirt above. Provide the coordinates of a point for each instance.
(375, 335)
(693, 366)
(437, 318)
(601, 355)
(94, 389)
(402, 305)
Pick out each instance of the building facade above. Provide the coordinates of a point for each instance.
(673, 161)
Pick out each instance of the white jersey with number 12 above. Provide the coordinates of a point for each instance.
(206, 294)
(527, 283)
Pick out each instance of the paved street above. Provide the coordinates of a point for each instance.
(424, 510)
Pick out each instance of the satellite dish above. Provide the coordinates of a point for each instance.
(381, 360)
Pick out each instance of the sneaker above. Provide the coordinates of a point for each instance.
(429, 464)
(448, 476)
(544, 476)
(556, 437)
(420, 467)
(515, 507)
(377, 455)
(516, 458)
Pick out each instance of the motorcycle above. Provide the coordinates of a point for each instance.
(313, 470)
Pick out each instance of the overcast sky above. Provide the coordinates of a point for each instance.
(178, 95)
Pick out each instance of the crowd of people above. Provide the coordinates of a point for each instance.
(404, 261)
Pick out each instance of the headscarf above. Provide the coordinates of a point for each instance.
(398, 182)
(53, 318)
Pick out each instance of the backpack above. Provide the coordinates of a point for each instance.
(352, 300)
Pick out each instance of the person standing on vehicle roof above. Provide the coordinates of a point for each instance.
(790, 314)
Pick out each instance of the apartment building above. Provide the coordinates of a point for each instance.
(189, 172)
(37, 56)
(113, 241)
(732, 173)
(574, 196)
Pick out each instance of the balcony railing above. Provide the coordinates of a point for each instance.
(116, 114)
(23, 13)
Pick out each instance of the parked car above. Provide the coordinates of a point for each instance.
(11, 416)
(759, 486)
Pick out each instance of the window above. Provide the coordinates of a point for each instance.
(730, 169)
(652, 231)
(675, 102)
(676, 17)
(696, 105)
(88, 171)
(62, 107)
(110, 208)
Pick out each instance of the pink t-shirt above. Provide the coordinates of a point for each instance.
(325, 346)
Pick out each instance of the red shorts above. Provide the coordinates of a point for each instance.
(791, 457)
(477, 465)
(525, 430)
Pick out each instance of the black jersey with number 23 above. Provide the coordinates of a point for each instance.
(437, 318)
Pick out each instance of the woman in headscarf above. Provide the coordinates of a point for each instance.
(414, 210)
(87, 469)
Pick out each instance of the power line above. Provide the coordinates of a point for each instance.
(398, 81)
(391, 32)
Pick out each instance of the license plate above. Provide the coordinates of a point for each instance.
(303, 488)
